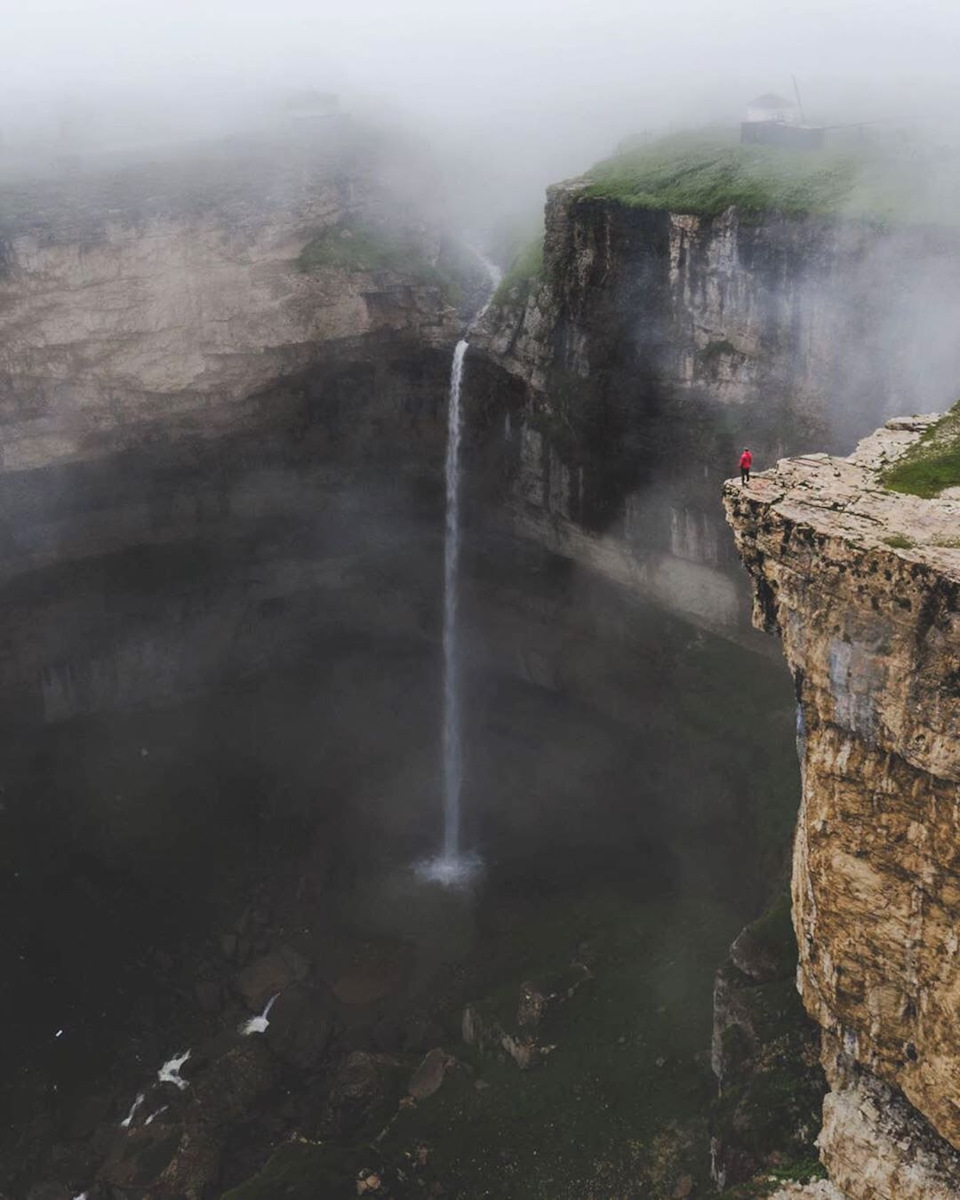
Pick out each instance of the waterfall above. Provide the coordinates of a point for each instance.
(452, 752)
(452, 866)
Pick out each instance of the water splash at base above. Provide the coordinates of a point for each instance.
(452, 871)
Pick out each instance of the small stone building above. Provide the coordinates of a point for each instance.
(773, 120)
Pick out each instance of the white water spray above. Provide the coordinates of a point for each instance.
(261, 1023)
(128, 1119)
(170, 1071)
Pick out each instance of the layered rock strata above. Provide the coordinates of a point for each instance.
(863, 587)
(742, 308)
(157, 300)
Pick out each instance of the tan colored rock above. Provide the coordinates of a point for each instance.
(821, 1189)
(872, 635)
(166, 301)
(876, 1144)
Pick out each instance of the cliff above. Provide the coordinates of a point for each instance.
(149, 300)
(863, 587)
(656, 342)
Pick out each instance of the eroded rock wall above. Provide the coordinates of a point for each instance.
(803, 316)
(656, 344)
(165, 299)
(863, 587)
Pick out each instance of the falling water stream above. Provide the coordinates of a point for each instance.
(453, 866)
(452, 751)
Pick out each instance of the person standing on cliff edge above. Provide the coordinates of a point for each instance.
(746, 462)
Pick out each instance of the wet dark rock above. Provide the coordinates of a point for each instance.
(366, 985)
(83, 1117)
(429, 1075)
(422, 1035)
(48, 1191)
(487, 1034)
(364, 1085)
(387, 1036)
(300, 1026)
(491, 1036)
(757, 957)
(765, 1056)
(209, 994)
(531, 1006)
(179, 1152)
(270, 974)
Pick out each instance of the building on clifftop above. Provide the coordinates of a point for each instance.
(772, 120)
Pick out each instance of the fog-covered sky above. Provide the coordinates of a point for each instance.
(544, 85)
(443, 52)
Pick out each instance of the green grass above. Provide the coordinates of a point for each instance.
(706, 173)
(931, 464)
(899, 541)
(356, 247)
(524, 271)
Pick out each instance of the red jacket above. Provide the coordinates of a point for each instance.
(746, 460)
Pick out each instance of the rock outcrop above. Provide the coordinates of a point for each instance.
(863, 587)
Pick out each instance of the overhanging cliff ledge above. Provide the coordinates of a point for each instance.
(863, 587)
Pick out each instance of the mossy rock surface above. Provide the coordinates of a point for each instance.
(706, 172)
(929, 466)
(769, 1109)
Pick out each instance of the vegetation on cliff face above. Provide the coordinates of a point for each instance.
(930, 465)
(706, 173)
(352, 246)
(524, 271)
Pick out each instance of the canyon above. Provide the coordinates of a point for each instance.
(223, 386)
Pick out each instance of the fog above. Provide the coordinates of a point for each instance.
(516, 94)
(223, 556)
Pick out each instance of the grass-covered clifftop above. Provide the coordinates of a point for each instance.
(932, 463)
(704, 173)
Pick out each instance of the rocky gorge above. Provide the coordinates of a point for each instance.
(224, 397)
(223, 383)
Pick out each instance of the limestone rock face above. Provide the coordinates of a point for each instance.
(742, 307)
(162, 299)
(871, 630)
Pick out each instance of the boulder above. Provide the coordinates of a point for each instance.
(429, 1076)
(270, 974)
(363, 1085)
(300, 1026)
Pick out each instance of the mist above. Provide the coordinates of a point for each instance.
(347, 467)
(512, 98)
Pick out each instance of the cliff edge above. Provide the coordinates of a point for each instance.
(863, 587)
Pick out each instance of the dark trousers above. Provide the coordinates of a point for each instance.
(744, 475)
